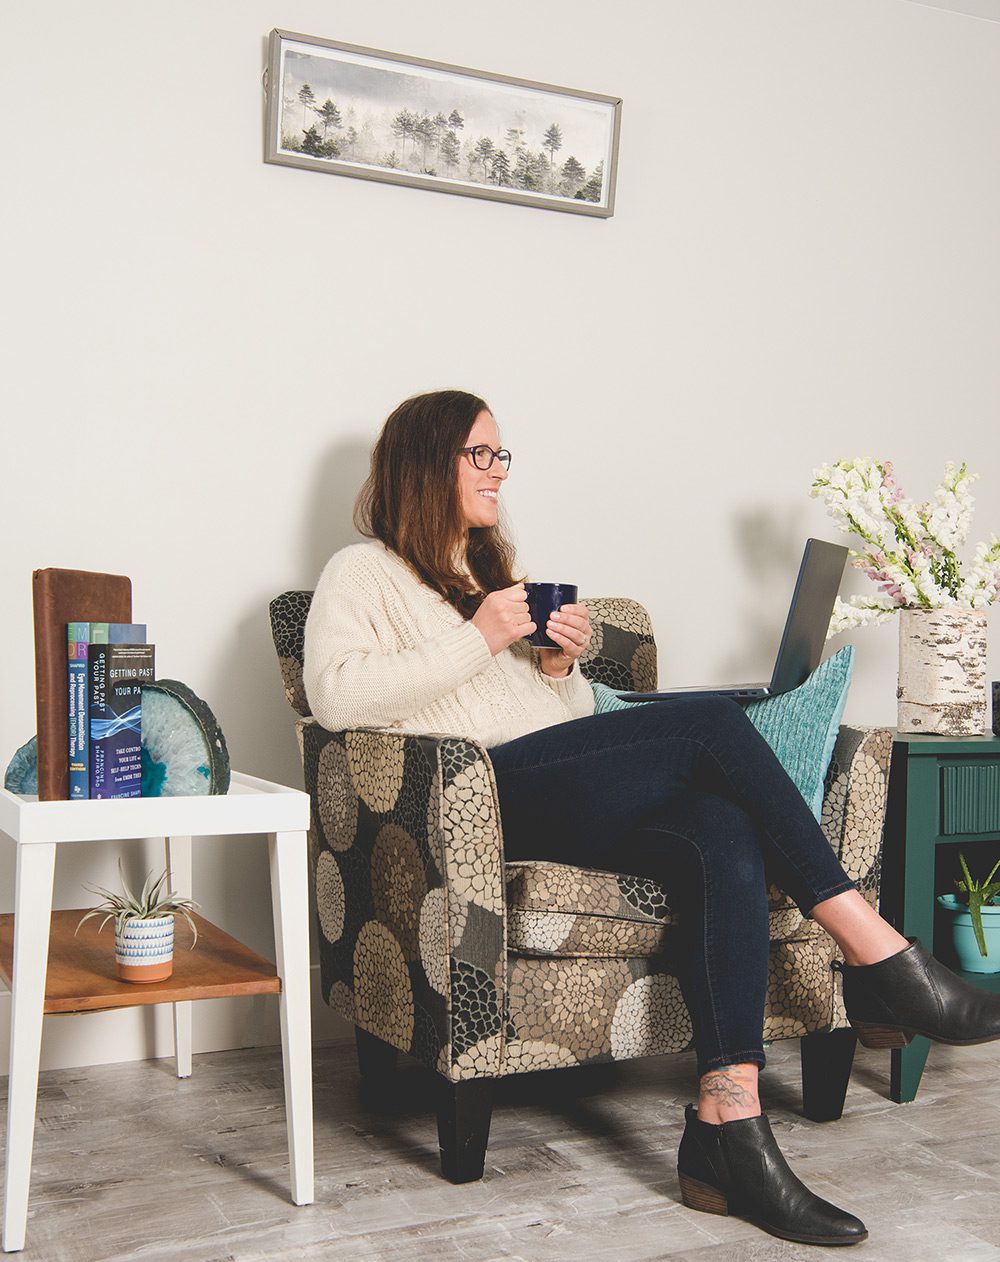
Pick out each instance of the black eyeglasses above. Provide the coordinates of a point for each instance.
(484, 455)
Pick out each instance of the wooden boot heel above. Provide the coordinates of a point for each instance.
(880, 1037)
(698, 1195)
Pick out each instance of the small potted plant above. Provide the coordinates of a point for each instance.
(144, 926)
(975, 920)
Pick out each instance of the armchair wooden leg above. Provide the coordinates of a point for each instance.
(376, 1063)
(464, 1115)
(826, 1070)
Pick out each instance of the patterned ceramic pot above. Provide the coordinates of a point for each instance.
(144, 949)
(942, 671)
(963, 935)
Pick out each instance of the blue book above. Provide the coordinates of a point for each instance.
(125, 632)
(77, 643)
(79, 636)
(116, 673)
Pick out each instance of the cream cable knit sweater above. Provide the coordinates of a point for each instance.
(384, 650)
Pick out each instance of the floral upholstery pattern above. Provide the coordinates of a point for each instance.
(477, 968)
(288, 630)
(559, 910)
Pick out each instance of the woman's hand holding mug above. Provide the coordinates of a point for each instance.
(569, 626)
(503, 618)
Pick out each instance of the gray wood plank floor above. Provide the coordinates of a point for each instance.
(132, 1163)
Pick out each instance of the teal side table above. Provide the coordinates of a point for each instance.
(944, 791)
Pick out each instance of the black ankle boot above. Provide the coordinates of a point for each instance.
(737, 1168)
(912, 993)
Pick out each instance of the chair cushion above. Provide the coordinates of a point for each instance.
(801, 726)
(557, 910)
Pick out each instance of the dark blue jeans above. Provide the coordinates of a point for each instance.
(687, 792)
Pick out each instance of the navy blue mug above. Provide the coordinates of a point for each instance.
(544, 599)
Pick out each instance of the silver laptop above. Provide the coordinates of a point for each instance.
(805, 630)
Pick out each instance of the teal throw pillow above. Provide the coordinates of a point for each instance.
(800, 726)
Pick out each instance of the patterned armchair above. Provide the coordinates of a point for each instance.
(431, 943)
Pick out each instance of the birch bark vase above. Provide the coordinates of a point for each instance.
(942, 671)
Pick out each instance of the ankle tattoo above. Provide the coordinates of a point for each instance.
(732, 1085)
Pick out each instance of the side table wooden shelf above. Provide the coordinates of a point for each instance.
(81, 975)
(944, 791)
(49, 970)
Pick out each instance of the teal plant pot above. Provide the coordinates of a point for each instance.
(964, 939)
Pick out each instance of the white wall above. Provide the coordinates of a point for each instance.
(199, 347)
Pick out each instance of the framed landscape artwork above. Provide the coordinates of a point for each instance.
(356, 111)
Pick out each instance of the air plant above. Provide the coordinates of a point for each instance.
(153, 902)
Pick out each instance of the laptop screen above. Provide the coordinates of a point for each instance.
(808, 619)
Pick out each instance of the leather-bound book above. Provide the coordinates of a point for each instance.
(62, 596)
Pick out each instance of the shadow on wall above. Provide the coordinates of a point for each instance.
(328, 504)
(767, 548)
(248, 697)
(259, 719)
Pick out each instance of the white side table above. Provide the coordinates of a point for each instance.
(219, 966)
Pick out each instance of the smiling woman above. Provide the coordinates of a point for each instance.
(483, 471)
(428, 500)
(424, 630)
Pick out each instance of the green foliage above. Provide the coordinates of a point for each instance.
(978, 895)
(154, 901)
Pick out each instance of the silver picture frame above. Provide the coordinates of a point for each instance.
(349, 110)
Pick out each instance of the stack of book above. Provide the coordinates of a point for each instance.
(108, 664)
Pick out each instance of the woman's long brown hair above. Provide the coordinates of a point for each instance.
(411, 500)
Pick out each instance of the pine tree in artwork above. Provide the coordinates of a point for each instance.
(594, 187)
(553, 142)
(572, 176)
(403, 126)
(538, 172)
(313, 144)
(455, 121)
(308, 98)
(500, 167)
(423, 132)
(483, 153)
(329, 116)
(450, 149)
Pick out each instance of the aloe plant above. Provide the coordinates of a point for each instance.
(979, 894)
(154, 901)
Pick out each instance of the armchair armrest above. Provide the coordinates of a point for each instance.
(407, 864)
(854, 803)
